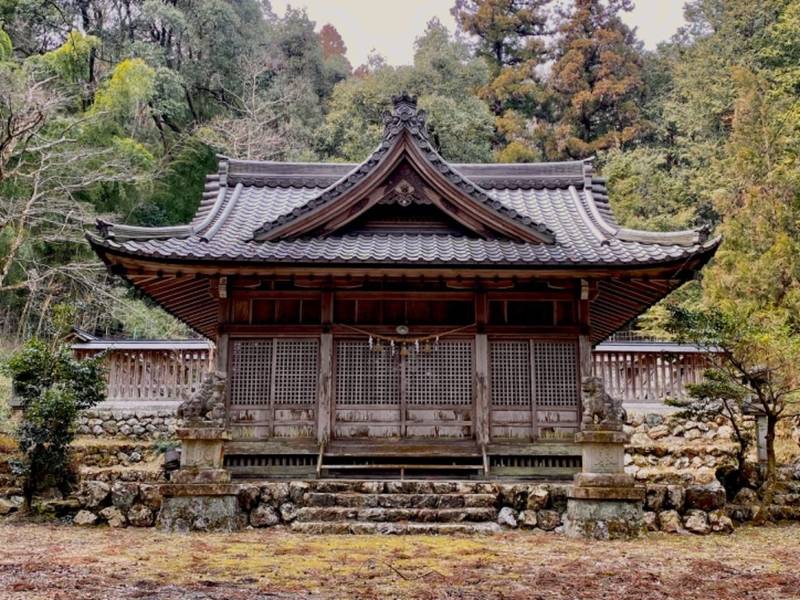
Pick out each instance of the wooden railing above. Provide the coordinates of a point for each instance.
(151, 373)
(163, 372)
(648, 372)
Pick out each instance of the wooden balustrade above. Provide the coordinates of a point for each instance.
(140, 374)
(648, 373)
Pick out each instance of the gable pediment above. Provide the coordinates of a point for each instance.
(405, 170)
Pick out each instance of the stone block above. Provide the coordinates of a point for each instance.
(675, 498)
(85, 517)
(527, 519)
(124, 494)
(507, 517)
(513, 495)
(113, 516)
(249, 494)
(603, 480)
(603, 519)
(93, 493)
(150, 495)
(548, 520)
(200, 513)
(706, 497)
(630, 494)
(200, 475)
(696, 521)
(288, 512)
(140, 516)
(264, 516)
(720, 522)
(538, 498)
(655, 497)
(669, 521)
(297, 490)
(9, 505)
(275, 493)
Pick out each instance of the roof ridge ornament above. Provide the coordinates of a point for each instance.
(405, 115)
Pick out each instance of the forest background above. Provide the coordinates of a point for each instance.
(117, 108)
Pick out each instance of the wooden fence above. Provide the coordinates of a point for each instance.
(152, 373)
(648, 372)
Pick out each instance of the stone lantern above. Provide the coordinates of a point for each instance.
(200, 495)
(604, 502)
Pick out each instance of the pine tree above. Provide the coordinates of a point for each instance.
(510, 32)
(511, 38)
(597, 78)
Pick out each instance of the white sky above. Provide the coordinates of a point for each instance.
(390, 27)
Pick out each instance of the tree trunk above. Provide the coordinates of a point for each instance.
(768, 489)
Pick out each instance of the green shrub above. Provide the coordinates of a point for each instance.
(53, 387)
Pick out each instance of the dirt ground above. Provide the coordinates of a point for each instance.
(59, 561)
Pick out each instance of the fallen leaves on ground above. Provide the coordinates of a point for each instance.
(59, 561)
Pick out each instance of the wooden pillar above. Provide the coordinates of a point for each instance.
(325, 385)
(222, 292)
(325, 400)
(482, 388)
(584, 339)
(482, 392)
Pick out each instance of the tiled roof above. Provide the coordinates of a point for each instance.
(563, 199)
(577, 241)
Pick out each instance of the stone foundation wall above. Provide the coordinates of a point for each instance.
(666, 449)
(131, 424)
(663, 449)
(670, 508)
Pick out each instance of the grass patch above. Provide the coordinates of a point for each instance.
(754, 563)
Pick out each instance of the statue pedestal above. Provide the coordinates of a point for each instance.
(604, 502)
(200, 495)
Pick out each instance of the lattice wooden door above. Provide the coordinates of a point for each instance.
(273, 388)
(421, 395)
(534, 389)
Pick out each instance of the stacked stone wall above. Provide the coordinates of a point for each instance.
(671, 508)
(131, 424)
(667, 449)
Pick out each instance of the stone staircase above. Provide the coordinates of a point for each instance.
(398, 507)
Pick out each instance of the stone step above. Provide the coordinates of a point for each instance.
(386, 500)
(393, 515)
(367, 527)
(394, 486)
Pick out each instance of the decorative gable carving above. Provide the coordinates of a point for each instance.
(405, 154)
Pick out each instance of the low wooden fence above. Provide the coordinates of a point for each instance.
(648, 372)
(149, 373)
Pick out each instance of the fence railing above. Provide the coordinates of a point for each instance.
(151, 373)
(645, 372)
(163, 372)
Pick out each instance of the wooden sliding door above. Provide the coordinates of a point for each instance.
(403, 395)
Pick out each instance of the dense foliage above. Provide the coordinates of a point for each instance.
(118, 108)
(757, 372)
(53, 387)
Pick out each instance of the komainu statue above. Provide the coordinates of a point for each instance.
(599, 408)
(207, 404)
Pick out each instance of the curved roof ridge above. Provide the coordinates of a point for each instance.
(218, 181)
(215, 227)
(405, 118)
(685, 237)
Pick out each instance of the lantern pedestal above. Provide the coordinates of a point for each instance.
(604, 502)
